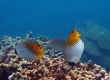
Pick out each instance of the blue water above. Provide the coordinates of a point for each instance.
(51, 18)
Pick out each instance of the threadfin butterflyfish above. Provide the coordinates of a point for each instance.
(56, 44)
(29, 50)
(74, 48)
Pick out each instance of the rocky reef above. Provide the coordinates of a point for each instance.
(53, 66)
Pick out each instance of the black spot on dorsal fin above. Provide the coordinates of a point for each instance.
(15, 52)
(71, 63)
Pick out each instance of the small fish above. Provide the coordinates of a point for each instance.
(56, 43)
(29, 50)
(74, 48)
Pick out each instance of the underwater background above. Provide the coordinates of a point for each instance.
(56, 18)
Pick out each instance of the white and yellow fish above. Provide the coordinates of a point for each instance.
(74, 48)
(29, 50)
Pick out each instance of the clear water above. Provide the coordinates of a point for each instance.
(51, 18)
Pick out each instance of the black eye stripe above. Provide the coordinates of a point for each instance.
(38, 45)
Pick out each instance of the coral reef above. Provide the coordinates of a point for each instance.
(6, 41)
(100, 34)
(96, 38)
(91, 48)
(97, 41)
(50, 69)
(29, 35)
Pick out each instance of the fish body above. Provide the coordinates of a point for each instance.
(29, 50)
(56, 43)
(74, 48)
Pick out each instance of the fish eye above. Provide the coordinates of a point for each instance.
(52, 42)
(40, 47)
(72, 31)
